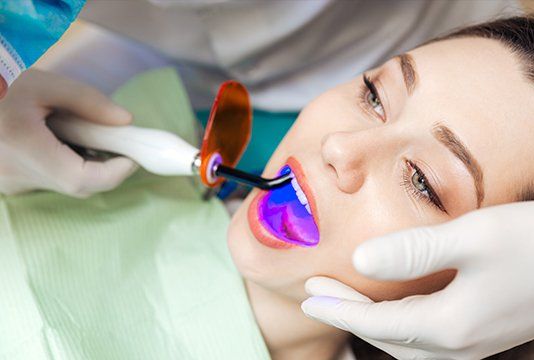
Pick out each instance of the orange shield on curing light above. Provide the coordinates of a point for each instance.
(228, 128)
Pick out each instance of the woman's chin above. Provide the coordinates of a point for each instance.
(261, 264)
(247, 258)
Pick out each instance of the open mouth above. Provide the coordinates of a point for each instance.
(286, 213)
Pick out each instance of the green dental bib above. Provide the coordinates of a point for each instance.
(141, 272)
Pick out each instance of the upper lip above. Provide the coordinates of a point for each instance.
(297, 170)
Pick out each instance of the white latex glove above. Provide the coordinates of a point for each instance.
(486, 309)
(31, 157)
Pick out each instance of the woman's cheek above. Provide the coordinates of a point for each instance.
(343, 270)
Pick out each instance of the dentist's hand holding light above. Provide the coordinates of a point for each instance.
(486, 309)
(31, 157)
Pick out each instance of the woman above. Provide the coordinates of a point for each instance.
(417, 141)
(403, 145)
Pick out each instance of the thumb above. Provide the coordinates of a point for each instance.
(103, 176)
(411, 253)
(387, 320)
(324, 286)
(56, 91)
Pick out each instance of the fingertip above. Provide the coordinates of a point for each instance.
(307, 308)
(326, 309)
(312, 283)
(312, 306)
(107, 175)
(363, 260)
(119, 115)
(123, 167)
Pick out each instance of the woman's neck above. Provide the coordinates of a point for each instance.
(288, 333)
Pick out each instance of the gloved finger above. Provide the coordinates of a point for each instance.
(57, 167)
(324, 286)
(95, 176)
(411, 253)
(69, 173)
(395, 321)
(81, 99)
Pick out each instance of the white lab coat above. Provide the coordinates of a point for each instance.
(285, 52)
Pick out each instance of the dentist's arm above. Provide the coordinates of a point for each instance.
(486, 309)
(31, 157)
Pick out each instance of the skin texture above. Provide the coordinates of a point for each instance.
(355, 162)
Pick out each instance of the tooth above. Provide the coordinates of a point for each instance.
(307, 206)
(299, 192)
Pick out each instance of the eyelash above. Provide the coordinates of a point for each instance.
(432, 198)
(369, 88)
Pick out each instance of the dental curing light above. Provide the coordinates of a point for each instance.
(160, 152)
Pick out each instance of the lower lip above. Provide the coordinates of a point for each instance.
(259, 232)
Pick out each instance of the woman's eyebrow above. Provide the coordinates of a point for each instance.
(407, 66)
(445, 136)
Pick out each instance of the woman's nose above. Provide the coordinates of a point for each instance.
(345, 155)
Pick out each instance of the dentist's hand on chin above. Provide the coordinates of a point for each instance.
(486, 309)
(31, 157)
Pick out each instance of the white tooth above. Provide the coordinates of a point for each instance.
(302, 198)
(298, 191)
(296, 184)
(307, 206)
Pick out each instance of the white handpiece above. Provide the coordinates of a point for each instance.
(157, 151)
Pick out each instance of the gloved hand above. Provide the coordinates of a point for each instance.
(486, 309)
(31, 157)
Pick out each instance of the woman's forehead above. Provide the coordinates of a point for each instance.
(477, 87)
(476, 64)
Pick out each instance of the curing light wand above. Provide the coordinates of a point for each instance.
(251, 179)
(164, 153)
(157, 151)
(242, 177)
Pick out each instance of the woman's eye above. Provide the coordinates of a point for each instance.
(416, 182)
(419, 183)
(370, 99)
(375, 103)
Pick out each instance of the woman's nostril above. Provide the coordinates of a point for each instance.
(332, 170)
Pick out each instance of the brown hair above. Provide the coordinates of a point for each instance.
(517, 34)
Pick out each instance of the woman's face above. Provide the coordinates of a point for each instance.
(426, 137)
